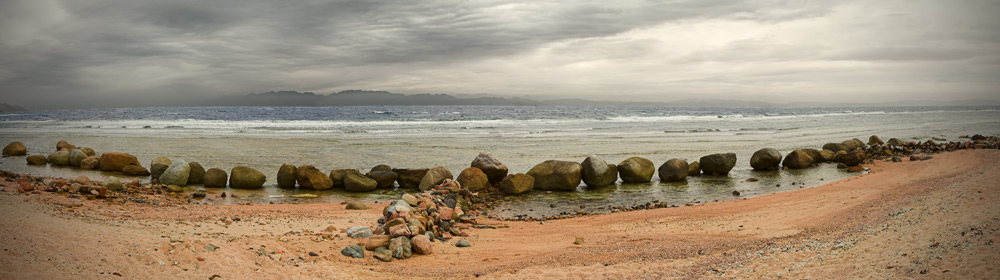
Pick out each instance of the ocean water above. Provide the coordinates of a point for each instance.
(451, 136)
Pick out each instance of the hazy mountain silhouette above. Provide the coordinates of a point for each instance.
(4, 107)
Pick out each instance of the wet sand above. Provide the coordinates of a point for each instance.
(927, 219)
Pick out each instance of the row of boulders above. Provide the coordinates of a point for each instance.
(594, 171)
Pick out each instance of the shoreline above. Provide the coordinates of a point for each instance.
(759, 236)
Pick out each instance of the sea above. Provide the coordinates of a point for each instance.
(452, 136)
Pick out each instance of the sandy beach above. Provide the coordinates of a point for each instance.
(926, 219)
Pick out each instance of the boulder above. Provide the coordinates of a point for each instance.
(401, 247)
(556, 175)
(354, 251)
(852, 158)
(157, 167)
(421, 244)
(91, 163)
(636, 170)
(60, 157)
(410, 178)
(76, 157)
(114, 184)
(36, 160)
(673, 170)
(717, 164)
(853, 144)
(337, 176)
(598, 173)
(90, 152)
(242, 177)
(215, 178)
(384, 178)
(356, 182)
(359, 232)
(286, 176)
(434, 177)
(135, 170)
(114, 162)
(766, 159)
(377, 241)
(836, 147)
(826, 155)
(895, 142)
(310, 177)
(517, 183)
(874, 140)
(816, 155)
(494, 168)
(473, 179)
(798, 159)
(694, 168)
(64, 145)
(380, 167)
(177, 174)
(15, 149)
(197, 174)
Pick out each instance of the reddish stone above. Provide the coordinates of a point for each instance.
(399, 230)
(445, 213)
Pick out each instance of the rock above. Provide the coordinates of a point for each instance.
(836, 147)
(64, 145)
(673, 170)
(383, 253)
(434, 177)
(556, 175)
(359, 232)
(76, 156)
(337, 176)
(384, 179)
(495, 169)
(354, 251)
(174, 189)
(736, 193)
(825, 156)
(88, 151)
(114, 184)
(135, 170)
(157, 166)
(401, 247)
(816, 155)
(636, 170)
(242, 177)
(851, 159)
(462, 243)
(798, 159)
(854, 144)
(717, 164)
(579, 240)
(400, 230)
(215, 178)
(596, 172)
(197, 174)
(380, 167)
(15, 149)
(517, 183)
(36, 160)
(115, 162)
(199, 194)
(694, 168)
(409, 199)
(895, 142)
(421, 245)
(473, 179)
(874, 140)
(311, 178)
(91, 163)
(177, 174)
(359, 183)
(855, 169)
(286, 176)
(60, 158)
(897, 159)
(377, 241)
(766, 159)
(410, 178)
(354, 205)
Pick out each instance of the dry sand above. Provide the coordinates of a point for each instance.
(934, 219)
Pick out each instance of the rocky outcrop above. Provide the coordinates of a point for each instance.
(242, 177)
(798, 159)
(766, 159)
(473, 179)
(215, 178)
(15, 149)
(673, 170)
(410, 178)
(434, 177)
(717, 164)
(556, 175)
(356, 182)
(310, 177)
(176, 174)
(597, 173)
(636, 170)
(517, 184)
(494, 169)
(114, 162)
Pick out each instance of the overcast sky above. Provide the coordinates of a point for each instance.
(61, 54)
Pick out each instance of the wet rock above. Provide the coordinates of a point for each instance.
(36, 160)
(384, 179)
(242, 177)
(825, 156)
(798, 159)
(494, 169)
(736, 193)
(383, 253)
(401, 247)
(176, 174)
(766, 159)
(64, 145)
(157, 166)
(114, 184)
(311, 178)
(215, 178)
(556, 175)
(473, 179)
(337, 176)
(76, 157)
(197, 174)
(199, 194)
(636, 170)
(596, 172)
(694, 168)
(410, 178)
(673, 170)
(851, 158)
(463, 243)
(135, 170)
(354, 205)
(717, 164)
(422, 245)
(115, 162)
(434, 177)
(359, 232)
(377, 241)
(816, 155)
(286, 176)
(874, 140)
(15, 149)
(356, 182)
(517, 183)
(60, 158)
(354, 251)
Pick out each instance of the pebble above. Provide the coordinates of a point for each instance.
(578, 241)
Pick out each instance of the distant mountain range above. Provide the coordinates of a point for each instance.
(4, 108)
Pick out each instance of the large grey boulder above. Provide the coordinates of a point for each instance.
(636, 170)
(176, 174)
(494, 168)
(766, 159)
(556, 175)
(597, 173)
(673, 170)
(717, 164)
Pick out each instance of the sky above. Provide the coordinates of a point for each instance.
(112, 53)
